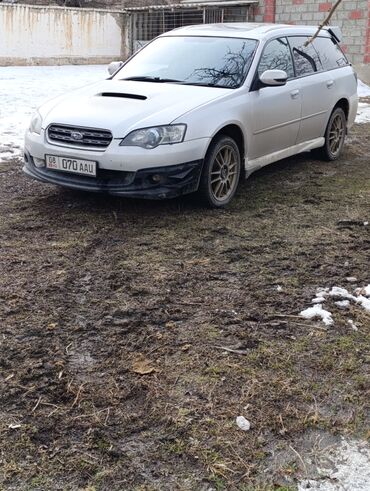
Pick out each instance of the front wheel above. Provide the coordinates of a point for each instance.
(221, 172)
(334, 135)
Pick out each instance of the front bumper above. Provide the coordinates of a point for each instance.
(153, 183)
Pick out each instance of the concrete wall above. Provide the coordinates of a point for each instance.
(57, 35)
(353, 16)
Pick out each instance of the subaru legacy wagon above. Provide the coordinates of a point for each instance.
(197, 109)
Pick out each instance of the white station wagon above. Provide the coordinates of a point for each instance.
(195, 110)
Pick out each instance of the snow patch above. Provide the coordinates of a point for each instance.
(363, 113)
(342, 298)
(24, 89)
(318, 311)
(364, 302)
(318, 300)
(337, 291)
(348, 469)
(243, 423)
(321, 294)
(363, 90)
(343, 304)
(352, 324)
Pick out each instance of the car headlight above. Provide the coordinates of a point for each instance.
(36, 123)
(152, 137)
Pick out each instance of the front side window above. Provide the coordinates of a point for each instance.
(192, 60)
(306, 58)
(276, 56)
(329, 53)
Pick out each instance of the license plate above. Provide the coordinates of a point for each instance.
(66, 164)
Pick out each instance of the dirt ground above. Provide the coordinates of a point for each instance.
(133, 333)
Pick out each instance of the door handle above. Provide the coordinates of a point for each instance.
(329, 83)
(294, 94)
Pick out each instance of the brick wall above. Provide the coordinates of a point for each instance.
(352, 16)
(367, 41)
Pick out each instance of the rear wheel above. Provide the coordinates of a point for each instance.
(221, 172)
(334, 135)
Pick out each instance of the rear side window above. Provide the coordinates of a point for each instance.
(306, 58)
(276, 56)
(329, 53)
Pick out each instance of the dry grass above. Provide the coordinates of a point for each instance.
(89, 285)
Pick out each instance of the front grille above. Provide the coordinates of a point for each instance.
(80, 137)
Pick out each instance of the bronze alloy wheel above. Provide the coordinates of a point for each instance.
(224, 173)
(221, 172)
(334, 135)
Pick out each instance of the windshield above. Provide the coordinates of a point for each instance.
(193, 60)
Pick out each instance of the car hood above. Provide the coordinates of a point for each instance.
(122, 106)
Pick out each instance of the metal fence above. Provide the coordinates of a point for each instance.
(148, 23)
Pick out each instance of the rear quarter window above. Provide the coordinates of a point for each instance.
(330, 54)
(306, 58)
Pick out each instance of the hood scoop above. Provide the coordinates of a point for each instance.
(123, 96)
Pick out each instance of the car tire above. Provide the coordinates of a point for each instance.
(221, 172)
(334, 136)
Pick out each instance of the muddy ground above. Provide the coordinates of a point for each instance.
(204, 303)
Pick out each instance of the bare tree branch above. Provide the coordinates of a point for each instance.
(324, 23)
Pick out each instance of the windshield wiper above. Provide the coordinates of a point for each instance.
(143, 78)
(209, 84)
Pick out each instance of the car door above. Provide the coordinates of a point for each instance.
(276, 111)
(317, 87)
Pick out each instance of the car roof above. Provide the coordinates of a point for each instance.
(250, 30)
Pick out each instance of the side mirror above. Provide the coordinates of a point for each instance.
(114, 66)
(274, 77)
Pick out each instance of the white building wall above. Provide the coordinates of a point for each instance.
(56, 35)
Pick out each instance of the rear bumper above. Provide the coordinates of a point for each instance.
(152, 183)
